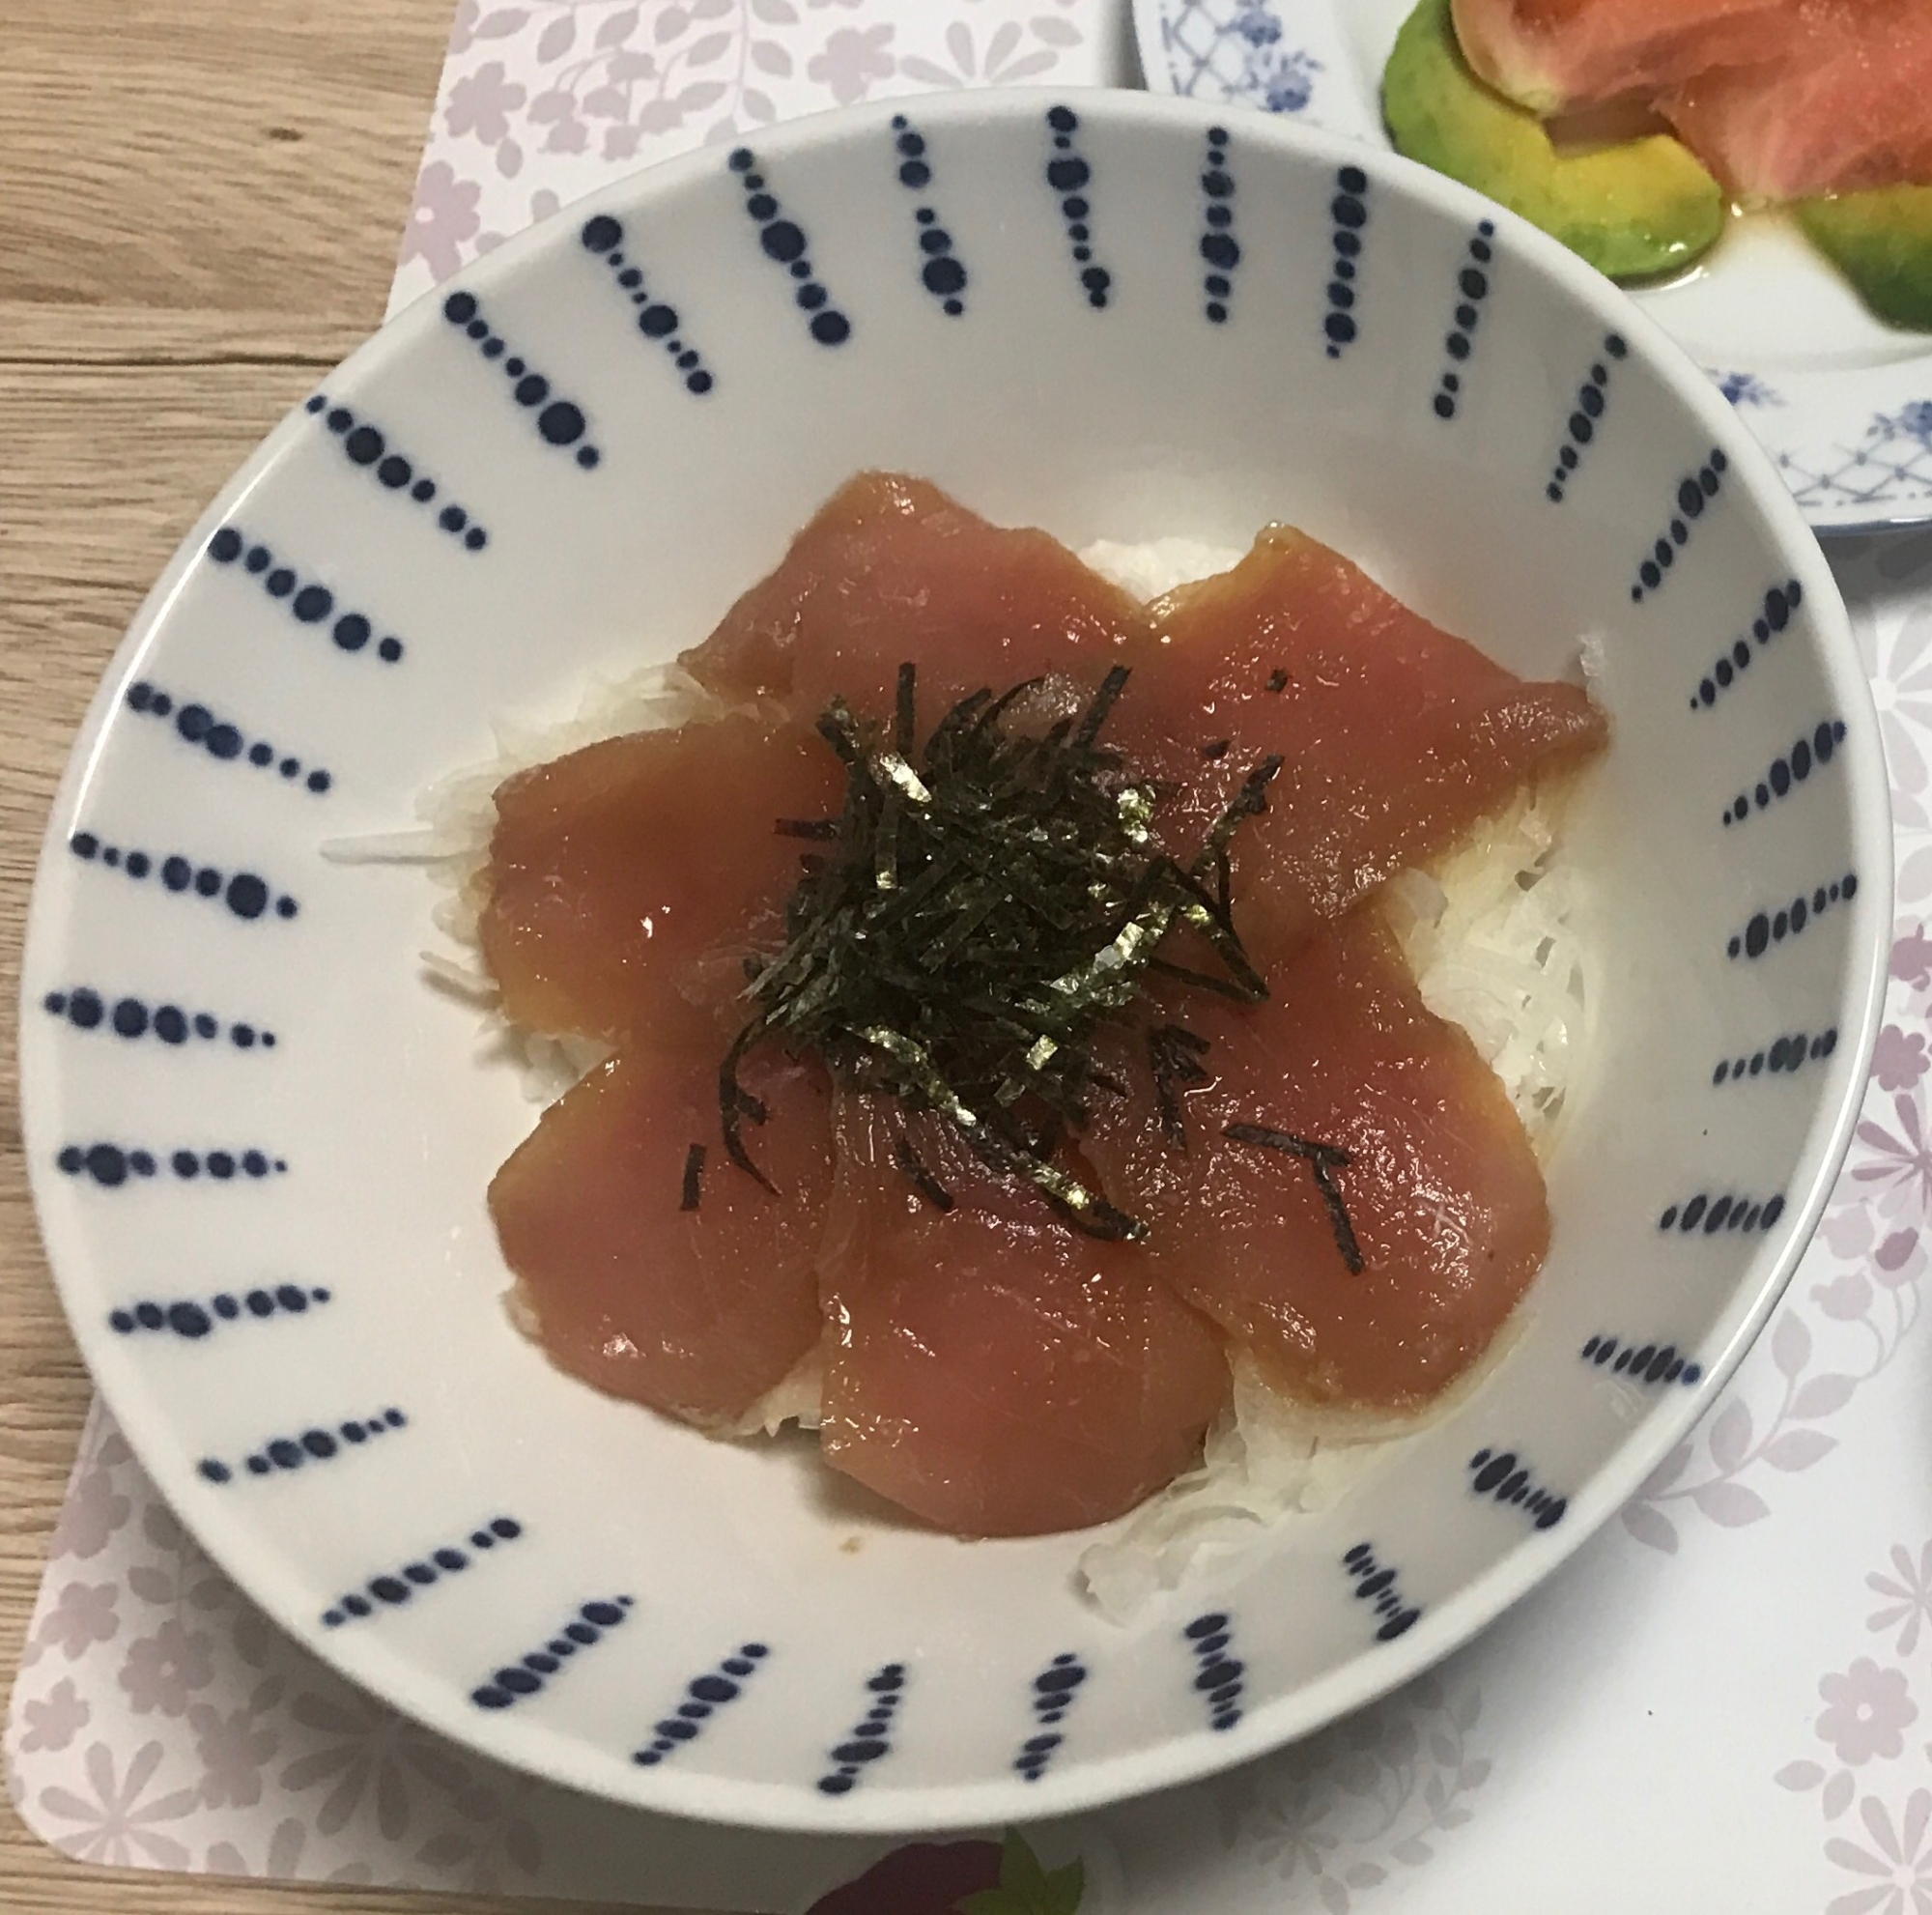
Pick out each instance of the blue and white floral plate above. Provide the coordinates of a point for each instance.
(260, 1143)
(1843, 402)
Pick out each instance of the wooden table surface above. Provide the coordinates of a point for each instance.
(200, 202)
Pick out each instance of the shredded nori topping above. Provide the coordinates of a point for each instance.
(923, 1181)
(1324, 1159)
(693, 1170)
(1174, 1053)
(986, 903)
(735, 1103)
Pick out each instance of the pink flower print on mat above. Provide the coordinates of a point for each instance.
(1901, 674)
(163, 1669)
(543, 203)
(1906, 1595)
(281, 1861)
(1350, 1807)
(851, 59)
(1007, 59)
(54, 1720)
(234, 1749)
(1895, 1862)
(118, 1826)
(498, 1850)
(82, 1615)
(1899, 1061)
(1912, 958)
(94, 1511)
(480, 105)
(1900, 1166)
(442, 218)
(368, 1751)
(1867, 1710)
(701, 67)
(1846, 1298)
(462, 29)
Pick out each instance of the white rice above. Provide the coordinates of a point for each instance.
(1493, 935)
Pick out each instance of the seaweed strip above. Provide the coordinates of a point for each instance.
(1324, 1159)
(922, 1180)
(735, 1103)
(981, 907)
(1174, 1053)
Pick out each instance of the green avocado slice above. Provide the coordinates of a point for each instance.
(1633, 210)
(1882, 242)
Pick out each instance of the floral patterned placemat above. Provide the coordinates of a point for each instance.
(543, 99)
(1724, 1702)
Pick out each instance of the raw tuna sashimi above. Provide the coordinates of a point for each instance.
(627, 882)
(1847, 107)
(1556, 55)
(1395, 736)
(680, 1283)
(1356, 1199)
(891, 569)
(1440, 1188)
(989, 1368)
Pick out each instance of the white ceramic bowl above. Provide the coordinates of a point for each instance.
(342, 1280)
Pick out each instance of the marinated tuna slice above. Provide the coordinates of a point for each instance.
(1394, 736)
(1356, 1200)
(989, 1369)
(628, 881)
(889, 570)
(1847, 108)
(654, 1274)
(1556, 55)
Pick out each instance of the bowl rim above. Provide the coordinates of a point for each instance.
(223, 1530)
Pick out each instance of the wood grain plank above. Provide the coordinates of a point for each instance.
(68, 335)
(225, 155)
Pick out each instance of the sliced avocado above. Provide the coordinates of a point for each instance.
(1634, 209)
(1882, 242)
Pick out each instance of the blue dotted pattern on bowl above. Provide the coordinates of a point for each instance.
(519, 1681)
(870, 1742)
(1055, 1691)
(1378, 1583)
(1218, 1678)
(1502, 1475)
(703, 1696)
(1646, 1364)
(315, 1444)
(391, 1589)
